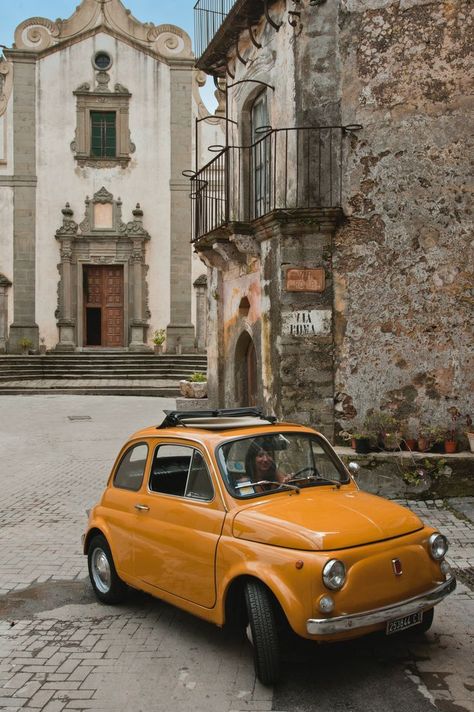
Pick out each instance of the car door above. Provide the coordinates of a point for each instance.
(118, 504)
(179, 524)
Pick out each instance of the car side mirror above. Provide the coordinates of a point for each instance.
(354, 469)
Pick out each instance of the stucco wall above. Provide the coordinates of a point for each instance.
(403, 259)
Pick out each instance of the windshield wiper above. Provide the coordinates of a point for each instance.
(295, 488)
(316, 478)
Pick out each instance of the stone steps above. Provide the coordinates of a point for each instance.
(114, 373)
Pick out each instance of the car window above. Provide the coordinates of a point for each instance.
(199, 484)
(129, 473)
(267, 463)
(181, 471)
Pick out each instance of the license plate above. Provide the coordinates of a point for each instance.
(403, 623)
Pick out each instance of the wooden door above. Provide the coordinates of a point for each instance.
(103, 306)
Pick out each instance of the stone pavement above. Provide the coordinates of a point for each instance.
(61, 650)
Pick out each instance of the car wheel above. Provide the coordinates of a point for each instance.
(262, 632)
(108, 587)
(426, 623)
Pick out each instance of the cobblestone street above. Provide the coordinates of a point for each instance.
(61, 650)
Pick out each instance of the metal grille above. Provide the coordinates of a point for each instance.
(209, 15)
(287, 169)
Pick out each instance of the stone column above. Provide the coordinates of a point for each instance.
(200, 285)
(24, 213)
(4, 285)
(138, 324)
(66, 322)
(180, 326)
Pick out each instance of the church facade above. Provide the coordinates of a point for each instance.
(96, 126)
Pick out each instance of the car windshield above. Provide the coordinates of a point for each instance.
(272, 462)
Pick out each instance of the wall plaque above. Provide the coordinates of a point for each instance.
(305, 280)
(308, 322)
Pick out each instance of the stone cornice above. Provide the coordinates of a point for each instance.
(39, 35)
(22, 181)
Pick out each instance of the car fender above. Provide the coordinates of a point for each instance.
(284, 572)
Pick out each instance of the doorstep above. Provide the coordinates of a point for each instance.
(443, 475)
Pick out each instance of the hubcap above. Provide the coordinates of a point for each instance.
(101, 572)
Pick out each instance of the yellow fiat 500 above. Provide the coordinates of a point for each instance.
(237, 518)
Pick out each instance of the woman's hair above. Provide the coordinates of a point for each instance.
(250, 465)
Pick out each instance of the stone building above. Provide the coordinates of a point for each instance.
(96, 126)
(335, 223)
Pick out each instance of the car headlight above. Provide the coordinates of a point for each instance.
(334, 575)
(438, 546)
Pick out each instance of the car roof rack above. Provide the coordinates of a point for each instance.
(219, 419)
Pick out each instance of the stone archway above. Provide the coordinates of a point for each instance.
(246, 381)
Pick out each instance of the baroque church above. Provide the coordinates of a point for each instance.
(97, 119)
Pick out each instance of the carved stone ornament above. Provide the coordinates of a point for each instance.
(69, 227)
(102, 196)
(37, 34)
(246, 244)
(6, 82)
(228, 252)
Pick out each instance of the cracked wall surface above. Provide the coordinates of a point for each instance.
(403, 258)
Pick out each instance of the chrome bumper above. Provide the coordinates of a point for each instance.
(344, 624)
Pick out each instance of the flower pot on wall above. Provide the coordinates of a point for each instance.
(450, 446)
(470, 437)
(190, 389)
(362, 446)
(158, 348)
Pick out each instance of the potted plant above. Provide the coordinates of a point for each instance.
(425, 437)
(195, 387)
(385, 429)
(42, 346)
(450, 439)
(470, 432)
(25, 344)
(158, 339)
(409, 441)
(362, 438)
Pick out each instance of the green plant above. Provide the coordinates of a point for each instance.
(198, 377)
(159, 337)
(425, 471)
(25, 343)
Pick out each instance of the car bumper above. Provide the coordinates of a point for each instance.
(349, 623)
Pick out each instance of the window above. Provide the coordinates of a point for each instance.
(261, 157)
(129, 473)
(181, 471)
(103, 134)
(102, 127)
(102, 61)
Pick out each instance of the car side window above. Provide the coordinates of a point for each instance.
(199, 484)
(129, 473)
(181, 471)
(170, 469)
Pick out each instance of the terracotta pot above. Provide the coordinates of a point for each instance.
(411, 444)
(423, 444)
(353, 443)
(450, 446)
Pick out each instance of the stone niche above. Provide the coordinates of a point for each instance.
(102, 239)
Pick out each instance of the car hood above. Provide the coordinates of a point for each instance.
(323, 519)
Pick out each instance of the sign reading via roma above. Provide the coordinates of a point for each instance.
(314, 322)
(305, 280)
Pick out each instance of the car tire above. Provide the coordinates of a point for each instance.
(426, 623)
(108, 587)
(263, 632)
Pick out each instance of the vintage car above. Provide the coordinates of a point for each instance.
(239, 519)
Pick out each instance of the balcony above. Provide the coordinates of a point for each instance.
(287, 170)
(217, 25)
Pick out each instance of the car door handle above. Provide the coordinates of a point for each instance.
(142, 508)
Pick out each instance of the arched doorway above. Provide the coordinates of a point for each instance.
(246, 388)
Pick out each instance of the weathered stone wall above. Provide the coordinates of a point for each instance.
(403, 258)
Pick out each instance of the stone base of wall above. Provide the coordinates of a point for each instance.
(192, 404)
(443, 475)
(20, 331)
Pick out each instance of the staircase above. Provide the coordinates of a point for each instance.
(98, 373)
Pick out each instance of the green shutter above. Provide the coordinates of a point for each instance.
(103, 134)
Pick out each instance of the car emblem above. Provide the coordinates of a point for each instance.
(397, 567)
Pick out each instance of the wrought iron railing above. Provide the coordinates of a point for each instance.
(209, 15)
(286, 169)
